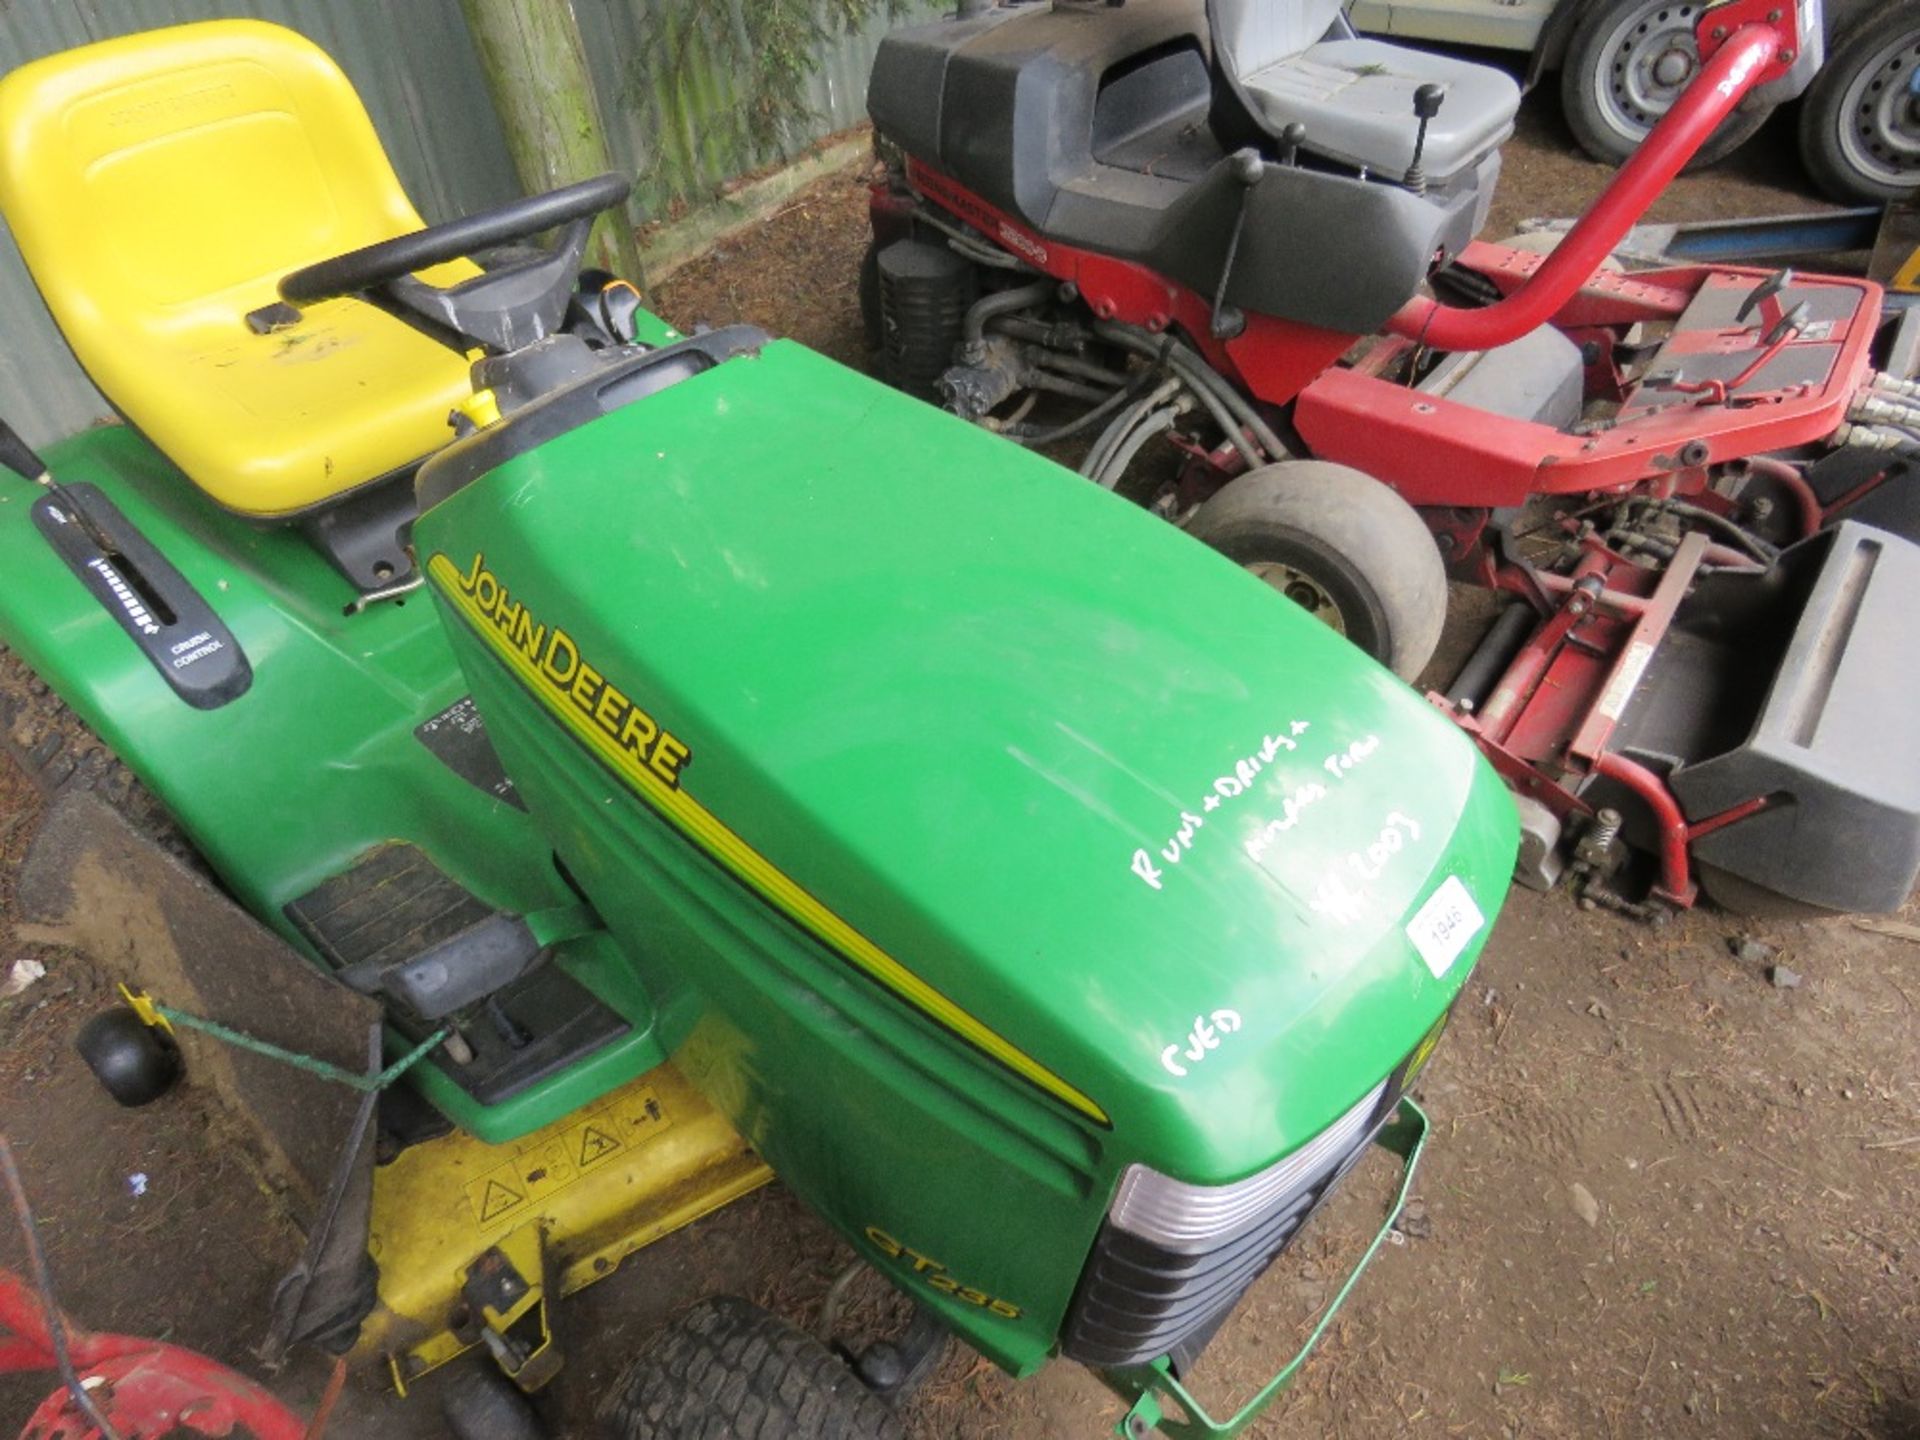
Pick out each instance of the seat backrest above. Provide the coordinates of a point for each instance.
(1251, 34)
(158, 186)
(149, 176)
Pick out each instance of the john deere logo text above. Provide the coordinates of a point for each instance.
(556, 661)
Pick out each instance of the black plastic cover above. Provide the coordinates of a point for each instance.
(396, 924)
(627, 375)
(1091, 125)
(365, 533)
(1797, 688)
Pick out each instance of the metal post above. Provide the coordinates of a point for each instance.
(536, 68)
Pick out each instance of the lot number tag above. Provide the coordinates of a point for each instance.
(1443, 926)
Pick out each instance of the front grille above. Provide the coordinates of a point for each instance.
(1140, 1299)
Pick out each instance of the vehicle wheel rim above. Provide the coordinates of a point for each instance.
(1651, 55)
(1301, 588)
(1880, 118)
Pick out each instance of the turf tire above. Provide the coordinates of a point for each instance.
(727, 1370)
(56, 751)
(1364, 546)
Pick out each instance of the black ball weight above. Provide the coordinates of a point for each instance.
(134, 1062)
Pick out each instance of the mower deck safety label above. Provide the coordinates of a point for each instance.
(514, 1189)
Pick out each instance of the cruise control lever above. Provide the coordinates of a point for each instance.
(21, 458)
(18, 456)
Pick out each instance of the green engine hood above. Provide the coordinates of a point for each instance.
(1058, 776)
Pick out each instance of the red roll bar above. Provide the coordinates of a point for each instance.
(1739, 60)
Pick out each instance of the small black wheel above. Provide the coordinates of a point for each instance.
(1860, 120)
(134, 1063)
(1738, 895)
(1626, 63)
(1341, 545)
(727, 1370)
(482, 1404)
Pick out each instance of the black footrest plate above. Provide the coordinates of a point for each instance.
(394, 904)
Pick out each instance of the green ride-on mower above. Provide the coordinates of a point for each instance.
(689, 761)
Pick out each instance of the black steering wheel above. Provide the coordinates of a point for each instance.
(372, 266)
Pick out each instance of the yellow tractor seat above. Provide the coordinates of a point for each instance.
(159, 186)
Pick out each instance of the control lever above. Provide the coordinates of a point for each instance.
(1292, 136)
(1763, 292)
(18, 457)
(1793, 323)
(1247, 167)
(1427, 101)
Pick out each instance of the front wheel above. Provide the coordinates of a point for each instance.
(727, 1368)
(1341, 545)
(1860, 121)
(1626, 64)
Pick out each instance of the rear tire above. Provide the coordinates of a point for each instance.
(1341, 544)
(727, 1370)
(1860, 121)
(1626, 63)
(56, 751)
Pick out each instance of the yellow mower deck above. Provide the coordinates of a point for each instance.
(470, 1237)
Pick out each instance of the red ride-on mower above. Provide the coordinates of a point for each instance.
(144, 1389)
(117, 1387)
(1233, 245)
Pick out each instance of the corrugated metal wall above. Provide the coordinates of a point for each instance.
(415, 65)
(663, 126)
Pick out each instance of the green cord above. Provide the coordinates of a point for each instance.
(326, 1071)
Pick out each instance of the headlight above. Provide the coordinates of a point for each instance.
(1193, 1219)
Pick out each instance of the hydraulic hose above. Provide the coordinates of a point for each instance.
(1760, 550)
(1736, 68)
(1224, 419)
(1869, 437)
(1202, 377)
(1027, 435)
(1003, 302)
(1060, 385)
(1111, 438)
(1082, 369)
(1122, 456)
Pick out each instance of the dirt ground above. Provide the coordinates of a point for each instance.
(1664, 1197)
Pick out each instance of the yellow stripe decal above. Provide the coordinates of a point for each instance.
(754, 869)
